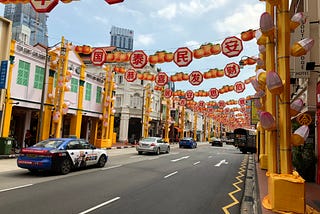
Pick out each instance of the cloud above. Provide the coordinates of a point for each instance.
(242, 19)
(102, 20)
(168, 12)
(193, 44)
(143, 40)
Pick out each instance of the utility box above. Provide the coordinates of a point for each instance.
(6, 145)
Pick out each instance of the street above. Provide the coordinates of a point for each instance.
(183, 181)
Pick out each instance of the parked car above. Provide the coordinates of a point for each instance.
(188, 142)
(61, 155)
(216, 142)
(154, 145)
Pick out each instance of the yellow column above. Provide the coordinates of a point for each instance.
(59, 95)
(205, 128)
(284, 72)
(271, 136)
(9, 101)
(182, 122)
(76, 120)
(146, 111)
(195, 125)
(110, 110)
(166, 126)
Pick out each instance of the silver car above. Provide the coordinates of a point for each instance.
(154, 145)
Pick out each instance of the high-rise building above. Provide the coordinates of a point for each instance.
(122, 38)
(28, 26)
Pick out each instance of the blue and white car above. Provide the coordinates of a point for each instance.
(61, 155)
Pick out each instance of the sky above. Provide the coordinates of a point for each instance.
(165, 25)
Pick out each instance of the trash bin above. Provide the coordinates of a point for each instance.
(6, 145)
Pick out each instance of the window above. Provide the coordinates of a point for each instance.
(74, 85)
(98, 97)
(135, 101)
(38, 77)
(88, 91)
(23, 73)
(120, 79)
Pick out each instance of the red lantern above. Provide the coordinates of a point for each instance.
(113, 1)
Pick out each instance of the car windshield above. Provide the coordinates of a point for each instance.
(48, 144)
(148, 139)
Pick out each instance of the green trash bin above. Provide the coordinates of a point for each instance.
(6, 145)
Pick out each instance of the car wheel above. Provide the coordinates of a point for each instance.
(102, 161)
(139, 152)
(180, 146)
(65, 167)
(168, 150)
(158, 151)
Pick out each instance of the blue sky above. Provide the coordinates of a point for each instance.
(164, 25)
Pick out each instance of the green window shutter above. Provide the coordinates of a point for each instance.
(74, 85)
(23, 73)
(38, 77)
(88, 92)
(98, 97)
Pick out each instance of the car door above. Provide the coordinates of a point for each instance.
(162, 145)
(91, 155)
(78, 152)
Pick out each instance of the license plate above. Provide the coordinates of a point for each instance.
(31, 155)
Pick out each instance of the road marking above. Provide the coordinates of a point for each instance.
(241, 174)
(210, 156)
(196, 163)
(111, 167)
(167, 176)
(221, 162)
(185, 157)
(100, 205)
(17, 187)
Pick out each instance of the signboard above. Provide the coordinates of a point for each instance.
(167, 93)
(239, 87)
(213, 93)
(114, 1)
(3, 73)
(300, 74)
(182, 56)
(161, 79)
(98, 57)
(232, 70)
(189, 95)
(43, 6)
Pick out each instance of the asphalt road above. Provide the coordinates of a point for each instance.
(184, 181)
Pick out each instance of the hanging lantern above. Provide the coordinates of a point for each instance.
(113, 1)
(300, 135)
(247, 35)
(266, 24)
(296, 20)
(302, 47)
(296, 106)
(261, 76)
(267, 121)
(56, 116)
(274, 83)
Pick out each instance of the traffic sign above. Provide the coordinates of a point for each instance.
(98, 57)
(43, 6)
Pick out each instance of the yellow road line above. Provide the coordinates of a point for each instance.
(242, 169)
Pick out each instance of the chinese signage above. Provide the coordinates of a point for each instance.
(183, 56)
(138, 59)
(231, 46)
(3, 73)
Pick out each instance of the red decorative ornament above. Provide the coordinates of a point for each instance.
(43, 6)
(213, 93)
(232, 46)
(130, 75)
(167, 93)
(221, 104)
(242, 102)
(183, 102)
(98, 57)
(182, 56)
(113, 1)
(195, 78)
(239, 87)
(138, 59)
(232, 70)
(189, 95)
(202, 104)
(161, 79)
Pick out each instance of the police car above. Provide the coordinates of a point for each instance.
(61, 155)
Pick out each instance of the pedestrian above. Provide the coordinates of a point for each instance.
(28, 138)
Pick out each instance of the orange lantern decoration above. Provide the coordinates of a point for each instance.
(113, 1)
(247, 35)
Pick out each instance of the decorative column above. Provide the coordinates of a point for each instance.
(167, 122)
(147, 111)
(195, 121)
(182, 122)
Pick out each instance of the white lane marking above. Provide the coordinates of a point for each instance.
(17, 187)
(185, 157)
(196, 163)
(100, 205)
(111, 167)
(221, 162)
(210, 156)
(167, 176)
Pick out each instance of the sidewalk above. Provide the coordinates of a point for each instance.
(312, 191)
